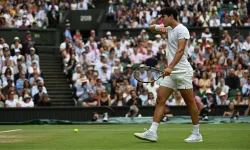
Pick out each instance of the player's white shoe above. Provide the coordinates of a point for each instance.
(194, 137)
(147, 135)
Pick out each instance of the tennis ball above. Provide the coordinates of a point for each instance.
(75, 130)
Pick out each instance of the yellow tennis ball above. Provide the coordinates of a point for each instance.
(75, 130)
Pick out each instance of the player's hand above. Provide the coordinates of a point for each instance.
(163, 30)
(167, 72)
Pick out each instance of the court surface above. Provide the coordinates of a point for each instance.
(120, 137)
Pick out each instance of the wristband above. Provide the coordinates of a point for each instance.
(158, 27)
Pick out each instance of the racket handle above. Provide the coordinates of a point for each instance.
(178, 72)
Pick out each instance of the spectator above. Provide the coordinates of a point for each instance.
(209, 99)
(134, 99)
(214, 22)
(223, 99)
(231, 112)
(27, 102)
(239, 99)
(45, 101)
(247, 112)
(82, 5)
(104, 99)
(151, 100)
(111, 11)
(178, 100)
(246, 87)
(90, 101)
(38, 96)
(144, 96)
(77, 36)
(73, 5)
(204, 84)
(35, 88)
(232, 80)
(64, 5)
(82, 91)
(68, 33)
(246, 44)
(11, 101)
(223, 87)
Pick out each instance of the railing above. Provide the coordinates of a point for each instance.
(85, 114)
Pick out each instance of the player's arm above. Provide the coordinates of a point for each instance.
(158, 29)
(181, 47)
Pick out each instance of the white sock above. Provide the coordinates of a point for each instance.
(154, 127)
(196, 128)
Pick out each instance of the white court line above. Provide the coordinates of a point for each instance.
(10, 131)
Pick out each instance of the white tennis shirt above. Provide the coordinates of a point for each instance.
(179, 32)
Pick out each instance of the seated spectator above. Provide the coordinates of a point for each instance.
(223, 99)
(209, 99)
(238, 100)
(77, 73)
(11, 101)
(77, 36)
(8, 75)
(34, 68)
(244, 78)
(204, 84)
(222, 85)
(35, 88)
(247, 112)
(27, 102)
(105, 74)
(134, 99)
(246, 87)
(33, 80)
(99, 86)
(82, 5)
(111, 11)
(144, 96)
(82, 91)
(20, 67)
(178, 100)
(29, 59)
(20, 82)
(45, 101)
(7, 87)
(38, 95)
(90, 101)
(64, 5)
(104, 99)
(231, 111)
(214, 22)
(151, 101)
(232, 80)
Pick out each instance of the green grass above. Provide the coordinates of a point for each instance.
(107, 137)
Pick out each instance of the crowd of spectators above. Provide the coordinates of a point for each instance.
(37, 13)
(21, 83)
(193, 13)
(100, 69)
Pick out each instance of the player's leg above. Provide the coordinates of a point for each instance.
(188, 97)
(163, 94)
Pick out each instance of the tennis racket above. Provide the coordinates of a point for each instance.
(147, 74)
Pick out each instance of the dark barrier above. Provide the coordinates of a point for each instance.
(84, 19)
(85, 114)
(43, 37)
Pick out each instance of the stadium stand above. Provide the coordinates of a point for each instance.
(98, 68)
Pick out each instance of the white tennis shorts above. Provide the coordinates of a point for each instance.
(178, 81)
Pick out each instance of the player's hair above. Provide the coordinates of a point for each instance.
(169, 11)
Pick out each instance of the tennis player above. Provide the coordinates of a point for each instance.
(177, 37)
